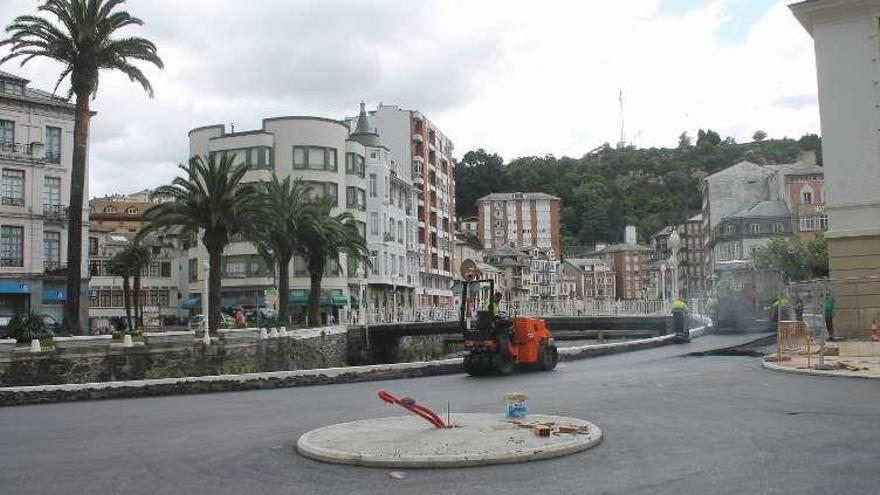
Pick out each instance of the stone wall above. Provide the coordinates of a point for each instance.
(173, 356)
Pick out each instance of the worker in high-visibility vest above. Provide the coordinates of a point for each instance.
(494, 304)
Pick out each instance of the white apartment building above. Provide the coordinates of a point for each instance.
(846, 34)
(36, 156)
(321, 152)
(424, 156)
(519, 219)
(391, 225)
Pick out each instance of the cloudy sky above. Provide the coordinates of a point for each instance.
(514, 77)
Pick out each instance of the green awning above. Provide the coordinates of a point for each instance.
(354, 300)
(298, 299)
(336, 300)
(191, 303)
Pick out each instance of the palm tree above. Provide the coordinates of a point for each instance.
(323, 238)
(79, 34)
(210, 198)
(278, 237)
(140, 259)
(122, 265)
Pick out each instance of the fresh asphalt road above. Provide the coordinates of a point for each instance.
(673, 424)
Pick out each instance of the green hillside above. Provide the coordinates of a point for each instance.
(607, 189)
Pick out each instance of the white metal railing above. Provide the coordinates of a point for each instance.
(524, 308)
(588, 307)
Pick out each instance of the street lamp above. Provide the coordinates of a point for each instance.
(207, 305)
(674, 244)
(663, 282)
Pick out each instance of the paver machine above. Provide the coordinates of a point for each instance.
(497, 344)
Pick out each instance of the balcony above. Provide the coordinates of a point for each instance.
(417, 136)
(54, 268)
(388, 237)
(56, 213)
(30, 151)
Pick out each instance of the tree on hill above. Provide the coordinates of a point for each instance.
(759, 136)
(607, 189)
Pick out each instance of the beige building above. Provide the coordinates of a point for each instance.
(519, 219)
(845, 33)
(36, 156)
(629, 262)
(588, 278)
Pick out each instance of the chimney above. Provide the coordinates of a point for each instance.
(629, 235)
(807, 157)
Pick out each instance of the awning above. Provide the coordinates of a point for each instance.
(298, 298)
(354, 300)
(336, 300)
(191, 303)
(15, 288)
(54, 294)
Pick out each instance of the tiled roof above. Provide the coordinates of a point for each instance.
(516, 195)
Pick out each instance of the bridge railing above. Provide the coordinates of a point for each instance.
(526, 308)
(585, 307)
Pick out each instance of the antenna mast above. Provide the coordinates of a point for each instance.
(622, 143)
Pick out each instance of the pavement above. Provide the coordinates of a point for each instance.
(672, 424)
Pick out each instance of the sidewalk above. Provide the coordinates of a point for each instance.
(865, 366)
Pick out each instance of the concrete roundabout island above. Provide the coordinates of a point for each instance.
(474, 440)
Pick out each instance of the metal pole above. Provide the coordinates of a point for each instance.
(206, 304)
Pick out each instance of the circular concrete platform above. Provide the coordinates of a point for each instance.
(478, 439)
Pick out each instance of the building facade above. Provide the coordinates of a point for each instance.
(425, 158)
(36, 157)
(520, 219)
(319, 151)
(845, 33)
(629, 262)
(591, 278)
(691, 261)
(746, 204)
(115, 220)
(391, 222)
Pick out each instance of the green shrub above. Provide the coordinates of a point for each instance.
(26, 327)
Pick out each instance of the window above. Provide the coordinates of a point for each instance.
(255, 157)
(354, 164)
(400, 232)
(11, 245)
(235, 267)
(374, 262)
(131, 210)
(300, 269)
(314, 158)
(51, 195)
(109, 209)
(165, 269)
(51, 250)
(53, 144)
(12, 88)
(778, 228)
(13, 187)
(93, 246)
(823, 221)
(372, 185)
(356, 198)
(729, 229)
(323, 189)
(193, 269)
(7, 133)
(755, 228)
(374, 222)
(806, 196)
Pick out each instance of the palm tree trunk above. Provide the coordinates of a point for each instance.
(284, 290)
(74, 213)
(138, 308)
(126, 300)
(214, 276)
(315, 298)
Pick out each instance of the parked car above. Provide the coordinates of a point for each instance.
(198, 321)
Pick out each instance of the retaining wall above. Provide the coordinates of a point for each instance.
(173, 354)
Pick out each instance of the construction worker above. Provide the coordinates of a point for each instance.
(494, 304)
